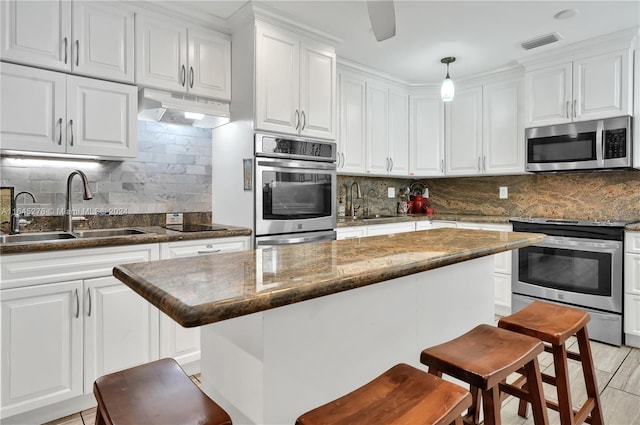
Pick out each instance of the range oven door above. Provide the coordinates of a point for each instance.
(294, 196)
(579, 271)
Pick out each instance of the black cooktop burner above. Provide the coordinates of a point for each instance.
(194, 227)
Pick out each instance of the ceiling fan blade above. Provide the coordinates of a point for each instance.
(382, 15)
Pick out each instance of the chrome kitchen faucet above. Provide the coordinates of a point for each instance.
(86, 195)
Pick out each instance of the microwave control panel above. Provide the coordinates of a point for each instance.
(615, 143)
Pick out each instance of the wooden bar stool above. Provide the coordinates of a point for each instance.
(554, 324)
(154, 393)
(400, 396)
(484, 357)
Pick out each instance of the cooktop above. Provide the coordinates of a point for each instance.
(194, 227)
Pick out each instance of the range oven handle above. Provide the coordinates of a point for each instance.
(580, 244)
(297, 164)
(295, 240)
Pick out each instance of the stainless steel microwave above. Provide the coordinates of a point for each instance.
(587, 145)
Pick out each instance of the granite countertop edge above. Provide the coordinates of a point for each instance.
(156, 234)
(319, 286)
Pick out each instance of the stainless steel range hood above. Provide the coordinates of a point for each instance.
(163, 106)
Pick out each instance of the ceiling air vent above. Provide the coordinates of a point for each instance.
(540, 41)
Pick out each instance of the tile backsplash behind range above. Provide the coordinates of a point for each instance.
(171, 173)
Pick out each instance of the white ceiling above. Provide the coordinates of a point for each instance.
(482, 35)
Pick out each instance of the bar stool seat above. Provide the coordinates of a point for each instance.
(554, 324)
(484, 357)
(154, 393)
(400, 396)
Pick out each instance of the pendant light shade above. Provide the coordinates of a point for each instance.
(447, 90)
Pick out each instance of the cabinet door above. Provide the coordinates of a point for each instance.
(41, 346)
(33, 105)
(548, 93)
(601, 86)
(103, 41)
(37, 33)
(277, 80)
(101, 118)
(632, 314)
(377, 131)
(161, 54)
(632, 273)
(463, 138)
(352, 124)
(503, 135)
(426, 141)
(120, 331)
(351, 232)
(317, 91)
(209, 72)
(398, 133)
(391, 228)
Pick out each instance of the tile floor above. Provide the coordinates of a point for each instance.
(617, 372)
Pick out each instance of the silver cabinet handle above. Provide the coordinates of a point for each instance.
(297, 119)
(183, 76)
(65, 49)
(442, 165)
(77, 304)
(191, 76)
(89, 295)
(484, 163)
(60, 129)
(479, 169)
(71, 125)
(77, 53)
(391, 168)
(304, 121)
(567, 105)
(575, 107)
(210, 251)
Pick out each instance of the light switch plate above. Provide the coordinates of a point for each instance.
(391, 192)
(504, 192)
(174, 218)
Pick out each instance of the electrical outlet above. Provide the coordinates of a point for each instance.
(174, 218)
(504, 192)
(391, 192)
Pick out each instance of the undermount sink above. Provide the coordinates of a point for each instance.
(372, 216)
(36, 237)
(106, 233)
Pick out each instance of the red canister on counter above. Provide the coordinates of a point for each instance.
(418, 204)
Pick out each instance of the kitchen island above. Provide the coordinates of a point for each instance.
(287, 329)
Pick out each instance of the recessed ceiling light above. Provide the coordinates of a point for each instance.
(566, 14)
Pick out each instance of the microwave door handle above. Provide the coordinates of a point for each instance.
(600, 143)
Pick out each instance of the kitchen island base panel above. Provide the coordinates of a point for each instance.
(270, 367)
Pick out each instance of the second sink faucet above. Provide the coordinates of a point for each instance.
(86, 195)
(15, 216)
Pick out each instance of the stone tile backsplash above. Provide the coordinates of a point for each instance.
(171, 173)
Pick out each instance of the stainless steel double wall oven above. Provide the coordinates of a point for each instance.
(579, 264)
(295, 190)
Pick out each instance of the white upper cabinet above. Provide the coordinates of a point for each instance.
(295, 84)
(50, 112)
(398, 132)
(502, 127)
(87, 38)
(585, 89)
(174, 57)
(463, 136)
(426, 139)
(377, 118)
(351, 123)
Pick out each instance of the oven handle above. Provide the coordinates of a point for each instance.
(290, 241)
(297, 165)
(580, 244)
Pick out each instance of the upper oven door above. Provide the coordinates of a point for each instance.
(586, 272)
(574, 146)
(294, 196)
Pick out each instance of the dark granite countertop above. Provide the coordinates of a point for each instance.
(200, 290)
(156, 234)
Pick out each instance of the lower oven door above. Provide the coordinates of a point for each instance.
(294, 196)
(294, 238)
(583, 272)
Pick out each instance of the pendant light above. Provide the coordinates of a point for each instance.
(448, 90)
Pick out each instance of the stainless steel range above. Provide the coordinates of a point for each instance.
(580, 264)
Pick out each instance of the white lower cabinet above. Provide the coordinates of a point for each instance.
(183, 344)
(351, 232)
(632, 288)
(390, 228)
(66, 320)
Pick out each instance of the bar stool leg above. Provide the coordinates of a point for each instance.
(564, 392)
(588, 370)
(491, 406)
(536, 392)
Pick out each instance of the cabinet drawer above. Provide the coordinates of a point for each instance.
(203, 246)
(632, 242)
(389, 229)
(351, 232)
(18, 270)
